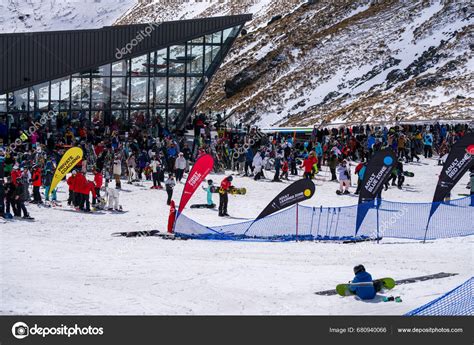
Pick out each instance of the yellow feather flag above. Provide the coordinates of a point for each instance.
(66, 164)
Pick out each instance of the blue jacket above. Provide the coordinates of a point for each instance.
(364, 292)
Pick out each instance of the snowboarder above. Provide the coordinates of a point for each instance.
(361, 276)
(170, 184)
(284, 170)
(210, 187)
(226, 184)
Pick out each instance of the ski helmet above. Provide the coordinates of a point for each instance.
(210, 182)
(230, 178)
(358, 269)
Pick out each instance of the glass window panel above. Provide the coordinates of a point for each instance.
(140, 65)
(39, 96)
(161, 61)
(216, 37)
(160, 90)
(195, 57)
(176, 90)
(100, 92)
(138, 117)
(103, 71)
(120, 67)
(65, 94)
(97, 117)
(173, 115)
(120, 92)
(139, 90)
(192, 88)
(177, 59)
(198, 40)
(18, 100)
(119, 116)
(85, 93)
(3, 103)
(226, 34)
(76, 93)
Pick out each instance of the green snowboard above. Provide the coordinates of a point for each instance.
(379, 284)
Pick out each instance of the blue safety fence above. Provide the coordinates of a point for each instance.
(388, 219)
(458, 301)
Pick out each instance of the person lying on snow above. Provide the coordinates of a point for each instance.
(361, 276)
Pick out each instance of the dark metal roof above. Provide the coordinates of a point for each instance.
(27, 59)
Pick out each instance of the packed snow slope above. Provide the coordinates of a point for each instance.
(51, 15)
(67, 262)
(339, 61)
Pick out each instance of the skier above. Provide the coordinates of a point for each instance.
(36, 180)
(155, 166)
(343, 174)
(278, 158)
(180, 166)
(71, 183)
(333, 166)
(308, 165)
(10, 198)
(98, 180)
(48, 179)
(20, 194)
(226, 184)
(79, 188)
(117, 171)
(169, 185)
(361, 276)
(284, 170)
(428, 142)
(257, 164)
(131, 164)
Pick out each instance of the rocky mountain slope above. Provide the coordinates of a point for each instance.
(340, 61)
(47, 15)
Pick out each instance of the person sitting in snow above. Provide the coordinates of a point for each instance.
(361, 276)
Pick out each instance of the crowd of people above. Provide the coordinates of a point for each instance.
(152, 153)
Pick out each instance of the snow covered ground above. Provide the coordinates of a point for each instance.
(67, 262)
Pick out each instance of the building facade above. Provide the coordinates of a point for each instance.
(160, 75)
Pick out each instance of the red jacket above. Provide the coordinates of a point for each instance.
(36, 178)
(98, 179)
(80, 185)
(71, 181)
(308, 164)
(226, 184)
(284, 167)
(15, 174)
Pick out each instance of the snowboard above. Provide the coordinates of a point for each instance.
(379, 284)
(29, 219)
(408, 174)
(203, 206)
(237, 191)
(147, 233)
